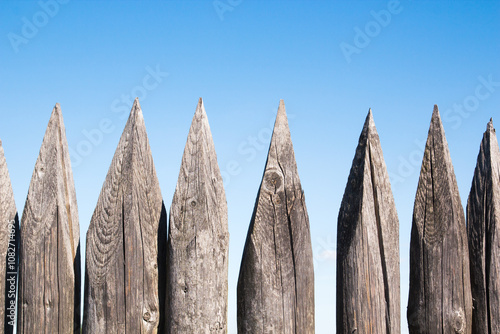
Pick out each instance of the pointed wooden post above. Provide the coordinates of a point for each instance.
(276, 282)
(198, 239)
(9, 249)
(125, 269)
(368, 297)
(483, 222)
(440, 297)
(49, 266)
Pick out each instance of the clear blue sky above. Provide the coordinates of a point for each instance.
(95, 57)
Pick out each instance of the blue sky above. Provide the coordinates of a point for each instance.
(330, 62)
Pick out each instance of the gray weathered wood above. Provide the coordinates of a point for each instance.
(125, 259)
(440, 297)
(368, 296)
(276, 282)
(49, 265)
(483, 224)
(198, 239)
(9, 243)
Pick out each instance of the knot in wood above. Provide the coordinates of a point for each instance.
(458, 322)
(273, 181)
(40, 172)
(146, 316)
(216, 327)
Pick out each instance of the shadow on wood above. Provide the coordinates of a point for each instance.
(368, 297)
(276, 281)
(483, 222)
(49, 263)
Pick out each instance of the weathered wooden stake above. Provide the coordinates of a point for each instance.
(9, 252)
(483, 223)
(198, 239)
(49, 266)
(276, 282)
(125, 259)
(440, 294)
(368, 297)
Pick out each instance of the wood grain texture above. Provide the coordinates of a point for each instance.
(125, 258)
(276, 281)
(368, 294)
(440, 294)
(9, 244)
(483, 224)
(198, 239)
(49, 266)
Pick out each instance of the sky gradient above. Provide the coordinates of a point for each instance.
(329, 61)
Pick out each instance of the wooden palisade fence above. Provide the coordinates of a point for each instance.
(198, 239)
(125, 249)
(440, 298)
(276, 282)
(368, 298)
(49, 259)
(138, 279)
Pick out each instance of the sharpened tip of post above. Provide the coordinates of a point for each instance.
(200, 108)
(136, 103)
(136, 116)
(57, 114)
(436, 125)
(136, 107)
(490, 127)
(370, 114)
(369, 122)
(200, 104)
(435, 115)
(281, 123)
(57, 108)
(281, 108)
(281, 115)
